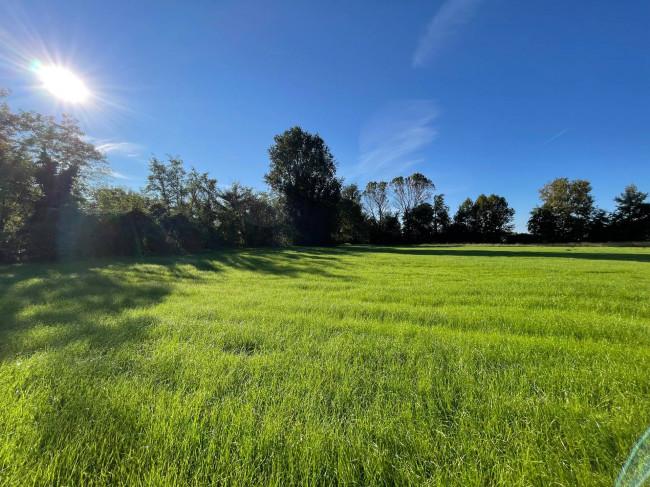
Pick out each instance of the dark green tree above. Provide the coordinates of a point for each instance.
(303, 172)
(441, 219)
(418, 223)
(352, 224)
(631, 219)
(572, 207)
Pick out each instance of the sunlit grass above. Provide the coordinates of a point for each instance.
(349, 366)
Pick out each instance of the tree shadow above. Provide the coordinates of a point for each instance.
(83, 300)
(72, 302)
(282, 262)
(492, 252)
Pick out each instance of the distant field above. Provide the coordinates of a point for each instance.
(347, 366)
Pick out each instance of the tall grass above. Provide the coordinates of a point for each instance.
(347, 366)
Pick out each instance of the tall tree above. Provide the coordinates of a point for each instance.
(376, 200)
(441, 218)
(572, 207)
(167, 183)
(64, 165)
(303, 171)
(418, 223)
(632, 215)
(411, 191)
(488, 219)
(352, 226)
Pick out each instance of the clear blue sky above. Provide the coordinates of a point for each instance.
(482, 96)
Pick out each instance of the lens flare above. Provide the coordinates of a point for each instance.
(61, 82)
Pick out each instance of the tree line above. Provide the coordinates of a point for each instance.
(54, 204)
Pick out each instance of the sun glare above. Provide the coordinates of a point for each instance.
(62, 83)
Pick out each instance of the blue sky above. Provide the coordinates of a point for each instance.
(482, 96)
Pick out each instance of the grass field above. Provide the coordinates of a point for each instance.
(345, 366)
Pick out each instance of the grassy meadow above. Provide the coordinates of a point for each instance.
(343, 366)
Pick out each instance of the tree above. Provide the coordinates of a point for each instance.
(418, 223)
(543, 224)
(572, 207)
(166, 183)
(493, 217)
(441, 218)
(303, 171)
(247, 217)
(488, 219)
(632, 215)
(64, 164)
(352, 226)
(376, 200)
(411, 191)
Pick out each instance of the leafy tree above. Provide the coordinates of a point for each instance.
(488, 219)
(572, 207)
(464, 220)
(64, 164)
(115, 200)
(600, 226)
(376, 200)
(303, 171)
(352, 226)
(441, 219)
(493, 217)
(247, 217)
(411, 191)
(632, 215)
(166, 182)
(543, 224)
(418, 223)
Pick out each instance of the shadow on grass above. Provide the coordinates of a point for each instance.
(71, 303)
(83, 300)
(478, 252)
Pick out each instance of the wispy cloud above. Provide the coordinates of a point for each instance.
(118, 175)
(560, 133)
(111, 146)
(127, 149)
(443, 28)
(391, 139)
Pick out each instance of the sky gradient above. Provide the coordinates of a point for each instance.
(482, 96)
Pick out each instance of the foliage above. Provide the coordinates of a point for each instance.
(54, 205)
(352, 223)
(631, 219)
(488, 219)
(303, 172)
(376, 200)
(411, 191)
(569, 206)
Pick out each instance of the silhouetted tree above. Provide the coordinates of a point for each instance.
(418, 223)
(353, 227)
(631, 219)
(441, 219)
(303, 171)
(488, 219)
(543, 224)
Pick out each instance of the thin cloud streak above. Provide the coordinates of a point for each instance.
(443, 28)
(118, 175)
(390, 141)
(127, 149)
(560, 133)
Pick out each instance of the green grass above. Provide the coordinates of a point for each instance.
(346, 366)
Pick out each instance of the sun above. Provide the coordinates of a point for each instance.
(62, 83)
